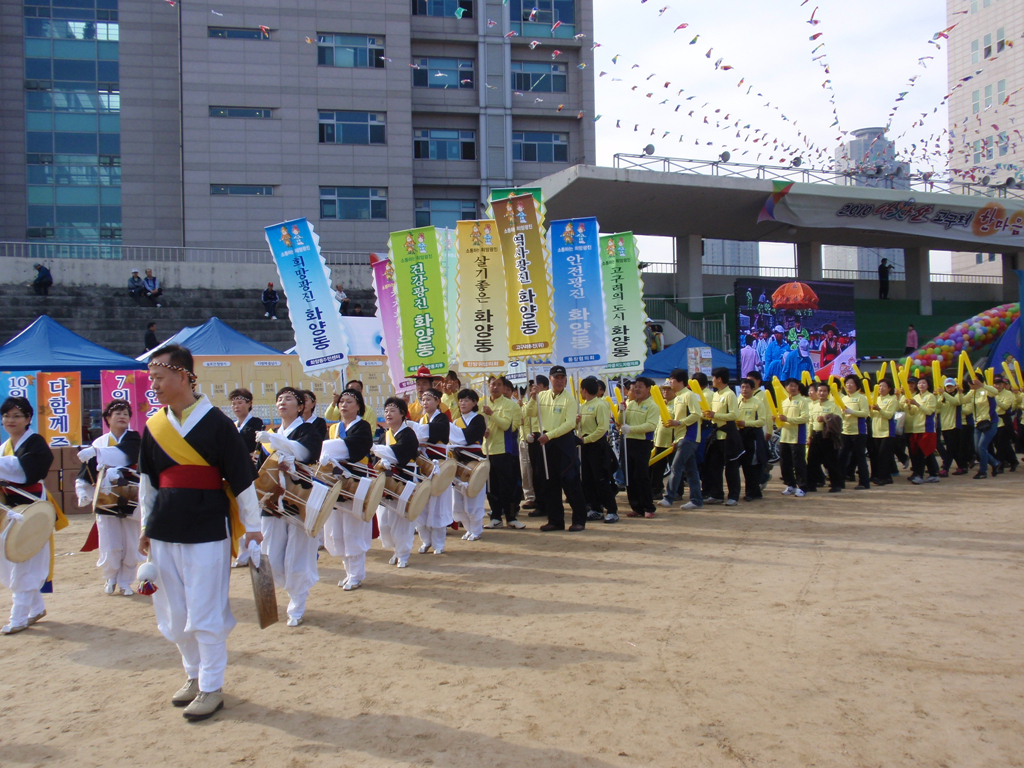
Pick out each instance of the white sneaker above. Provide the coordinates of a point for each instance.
(343, 583)
(799, 492)
(423, 550)
(393, 560)
(158, 305)
(664, 503)
(517, 524)
(466, 535)
(789, 490)
(403, 563)
(472, 537)
(274, 317)
(732, 502)
(352, 584)
(127, 591)
(439, 551)
(494, 522)
(266, 314)
(691, 505)
(294, 622)
(109, 589)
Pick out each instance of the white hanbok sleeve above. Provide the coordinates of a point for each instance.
(288, 447)
(249, 509)
(386, 454)
(456, 436)
(334, 450)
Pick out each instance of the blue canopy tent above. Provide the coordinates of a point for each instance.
(46, 345)
(659, 366)
(215, 337)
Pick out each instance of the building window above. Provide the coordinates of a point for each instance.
(1000, 39)
(988, 96)
(352, 128)
(991, 257)
(357, 51)
(354, 203)
(538, 76)
(444, 213)
(239, 33)
(60, 29)
(977, 152)
(442, 8)
(1000, 92)
(975, 102)
(241, 190)
(263, 114)
(543, 18)
(978, 259)
(436, 144)
(532, 147)
(975, 51)
(988, 46)
(1003, 143)
(443, 73)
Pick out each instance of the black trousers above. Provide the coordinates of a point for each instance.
(794, 465)
(883, 289)
(598, 485)
(270, 307)
(564, 475)
(716, 462)
(950, 449)
(657, 472)
(966, 446)
(882, 458)
(638, 475)
(504, 486)
(1003, 443)
(853, 453)
(815, 461)
(919, 463)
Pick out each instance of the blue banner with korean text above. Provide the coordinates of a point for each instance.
(578, 297)
(320, 339)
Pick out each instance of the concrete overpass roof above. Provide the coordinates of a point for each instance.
(727, 207)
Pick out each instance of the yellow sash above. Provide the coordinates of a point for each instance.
(181, 452)
(62, 521)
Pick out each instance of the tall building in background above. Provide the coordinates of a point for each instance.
(984, 110)
(198, 124)
(870, 158)
(731, 253)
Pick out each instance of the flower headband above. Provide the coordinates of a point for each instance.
(191, 376)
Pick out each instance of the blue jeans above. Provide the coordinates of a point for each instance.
(685, 462)
(982, 440)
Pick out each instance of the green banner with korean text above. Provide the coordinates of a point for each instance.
(419, 292)
(625, 312)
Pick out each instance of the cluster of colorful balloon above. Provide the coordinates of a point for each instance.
(972, 335)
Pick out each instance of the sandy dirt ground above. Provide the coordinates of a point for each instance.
(864, 629)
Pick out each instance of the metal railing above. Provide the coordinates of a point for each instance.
(710, 330)
(158, 254)
(666, 268)
(915, 182)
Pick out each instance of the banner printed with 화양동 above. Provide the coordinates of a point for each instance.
(578, 298)
(483, 339)
(419, 294)
(625, 310)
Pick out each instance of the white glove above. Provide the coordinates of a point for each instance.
(84, 500)
(12, 515)
(263, 437)
(625, 429)
(530, 438)
(286, 462)
(113, 475)
(86, 453)
(254, 553)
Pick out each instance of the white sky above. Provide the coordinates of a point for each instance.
(872, 49)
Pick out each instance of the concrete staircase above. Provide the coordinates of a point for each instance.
(109, 317)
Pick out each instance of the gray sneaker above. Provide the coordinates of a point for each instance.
(931, 479)
(204, 705)
(594, 515)
(611, 517)
(187, 693)
(691, 505)
(511, 524)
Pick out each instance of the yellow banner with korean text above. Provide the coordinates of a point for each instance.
(528, 270)
(482, 309)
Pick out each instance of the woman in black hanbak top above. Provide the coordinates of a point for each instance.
(346, 535)
(434, 522)
(248, 425)
(396, 532)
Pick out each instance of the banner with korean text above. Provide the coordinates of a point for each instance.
(419, 292)
(59, 416)
(528, 286)
(18, 384)
(133, 387)
(624, 297)
(320, 340)
(450, 277)
(387, 311)
(483, 339)
(578, 299)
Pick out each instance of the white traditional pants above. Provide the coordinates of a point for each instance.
(469, 512)
(526, 471)
(292, 556)
(119, 548)
(191, 604)
(25, 580)
(348, 537)
(433, 523)
(396, 533)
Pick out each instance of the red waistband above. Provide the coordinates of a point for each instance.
(35, 488)
(193, 476)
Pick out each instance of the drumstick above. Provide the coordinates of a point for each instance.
(540, 428)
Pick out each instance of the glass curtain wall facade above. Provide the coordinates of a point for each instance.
(72, 121)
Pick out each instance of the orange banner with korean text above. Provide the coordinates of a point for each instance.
(60, 408)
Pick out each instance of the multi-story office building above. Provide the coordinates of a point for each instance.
(870, 158)
(731, 253)
(984, 109)
(197, 124)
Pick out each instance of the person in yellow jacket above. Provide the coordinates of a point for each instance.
(921, 431)
(822, 454)
(883, 433)
(686, 418)
(725, 448)
(951, 424)
(664, 437)
(855, 432)
(639, 422)
(596, 454)
(983, 407)
(501, 446)
(795, 415)
(752, 414)
(558, 466)
(1006, 404)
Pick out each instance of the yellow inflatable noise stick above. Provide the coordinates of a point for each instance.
(857, 371)
(936, 376)
(881, 371)
(1020, 379)
(805, 378)
(659, 400)
(773, 408)
(780, 392)
(905, 381)
(664, 454)
(965, 361)
(990, 375)
(836, 398)
(867, 391)
(1009, 375)
(695, 388)
(614, 407)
